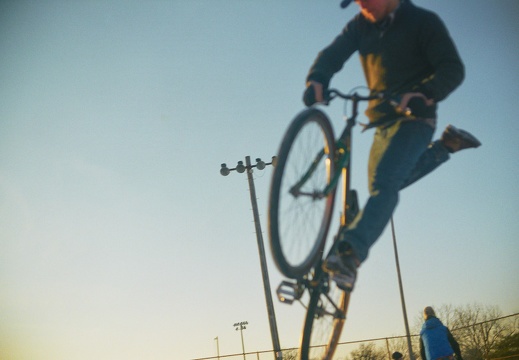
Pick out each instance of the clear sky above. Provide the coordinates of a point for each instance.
(119, 239)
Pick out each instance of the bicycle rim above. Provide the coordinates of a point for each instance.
(298, 225)
(324, 321)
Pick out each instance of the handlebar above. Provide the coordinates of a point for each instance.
(355, 98)
(333, 93)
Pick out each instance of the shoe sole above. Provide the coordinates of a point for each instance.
(463, 135)
(343, 284)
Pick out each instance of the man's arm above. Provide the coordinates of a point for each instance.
(443, 56)
(454, 344)
(422, 349)
(332, 58)
(329, 61)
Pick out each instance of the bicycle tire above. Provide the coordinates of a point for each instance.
(298, 225)
(325, 318)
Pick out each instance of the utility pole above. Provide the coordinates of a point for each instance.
(260, 165)
(408, 334)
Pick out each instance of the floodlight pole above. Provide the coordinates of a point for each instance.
(217, 348)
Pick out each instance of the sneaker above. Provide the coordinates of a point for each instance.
(456, 139)
(342, 268)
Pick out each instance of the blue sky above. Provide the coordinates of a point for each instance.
(121, 240)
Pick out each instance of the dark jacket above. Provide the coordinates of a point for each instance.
(436, 341)
(410, 51)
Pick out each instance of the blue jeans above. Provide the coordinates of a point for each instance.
(400, 154)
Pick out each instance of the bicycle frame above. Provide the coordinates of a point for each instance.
(341, 158)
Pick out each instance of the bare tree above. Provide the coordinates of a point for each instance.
(367, 352)
(445, 312)
(290, 354)
(479, 330)
(507, 349)
(400, 344)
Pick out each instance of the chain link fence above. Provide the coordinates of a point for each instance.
(496, 339)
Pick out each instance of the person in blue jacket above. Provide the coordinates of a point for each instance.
(436, 340)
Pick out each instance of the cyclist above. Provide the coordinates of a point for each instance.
(405, 51)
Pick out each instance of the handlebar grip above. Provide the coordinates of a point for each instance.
(407, 111)
(328, 95)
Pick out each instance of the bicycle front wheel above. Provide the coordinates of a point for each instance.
(324, 321)
(299, 209)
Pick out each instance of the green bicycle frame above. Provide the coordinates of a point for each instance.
(342, 158)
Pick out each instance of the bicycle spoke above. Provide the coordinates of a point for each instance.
(299, 215)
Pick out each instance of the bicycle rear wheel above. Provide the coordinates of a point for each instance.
(299, 220)
(324, 321)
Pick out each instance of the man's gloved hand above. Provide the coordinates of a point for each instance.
(313, 93)
(418, 105)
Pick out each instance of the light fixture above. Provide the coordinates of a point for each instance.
(260, 165)
(225, 170)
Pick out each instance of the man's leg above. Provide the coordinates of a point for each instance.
(394, 154)
(451, 141)
(399, 156)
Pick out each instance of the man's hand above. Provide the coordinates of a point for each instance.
(313, 93)
(417, 103)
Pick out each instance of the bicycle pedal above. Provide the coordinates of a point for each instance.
(288, 291)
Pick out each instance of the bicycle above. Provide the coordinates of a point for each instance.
(310, 163)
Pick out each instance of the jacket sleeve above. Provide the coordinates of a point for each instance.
(332, 58)
(422, 349)
(443, 56)
(454, 344)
